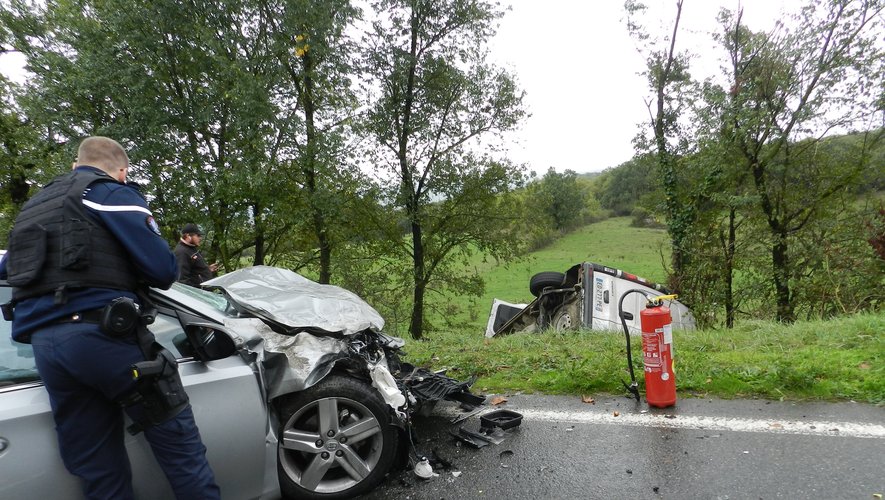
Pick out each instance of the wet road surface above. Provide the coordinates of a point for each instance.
(617, 448)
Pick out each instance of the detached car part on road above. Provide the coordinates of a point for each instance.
(296, 391)
(585, 296)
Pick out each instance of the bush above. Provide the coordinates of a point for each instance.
(642, 217)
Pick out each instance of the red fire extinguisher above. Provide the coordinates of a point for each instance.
(657, 352)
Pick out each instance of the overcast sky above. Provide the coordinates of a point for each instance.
(580, 68)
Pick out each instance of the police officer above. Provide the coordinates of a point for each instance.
(192, 267)
(84, 240)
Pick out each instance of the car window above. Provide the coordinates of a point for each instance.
(17, 363)
(170, 334)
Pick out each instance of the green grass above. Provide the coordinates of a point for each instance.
(612, 242)
(842, 359)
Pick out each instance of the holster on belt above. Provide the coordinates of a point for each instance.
(158, 386)
(120, 317)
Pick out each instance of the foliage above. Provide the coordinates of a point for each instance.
(836, 360)
(622, 188)
(753, 199)
(17, 157)
(672, 95)
(315, 109)
(875, 230)
(785, 85)
(841, 273)
(437, 95)
(244, 116)
(234, 113)
(177, 91)
(560, 198)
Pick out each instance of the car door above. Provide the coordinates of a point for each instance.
(30, 466)
(229, 410)
(224, 393)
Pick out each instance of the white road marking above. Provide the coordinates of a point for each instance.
(700, 422)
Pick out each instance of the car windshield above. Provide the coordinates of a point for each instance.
(214, 300)
(202, 302)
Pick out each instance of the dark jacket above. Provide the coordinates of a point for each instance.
(121, 212)
(56, 244)
(192, 267)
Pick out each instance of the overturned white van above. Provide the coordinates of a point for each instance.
(586, 296)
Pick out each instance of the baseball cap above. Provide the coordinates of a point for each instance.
(191, 228)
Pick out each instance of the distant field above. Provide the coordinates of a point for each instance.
(611, 242)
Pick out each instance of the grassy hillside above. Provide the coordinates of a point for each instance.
(841, 359)
(611, 242)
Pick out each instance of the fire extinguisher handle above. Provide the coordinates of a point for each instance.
(657, 301)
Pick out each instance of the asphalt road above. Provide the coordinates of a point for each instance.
(617, 448)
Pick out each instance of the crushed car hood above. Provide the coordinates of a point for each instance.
(296, 303)
(295, 331)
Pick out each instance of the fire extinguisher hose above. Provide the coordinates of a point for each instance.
(633, 387)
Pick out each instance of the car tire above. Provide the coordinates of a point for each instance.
(562, 320)
(336, 440)
(543, 280)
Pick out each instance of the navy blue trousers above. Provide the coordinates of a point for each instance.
(84, 371)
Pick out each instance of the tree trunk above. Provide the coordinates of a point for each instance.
(729, 270)
(259, 249)
(259, 235)
(666, 162)
(325, 251)
(319, 219)
(18, 189)
(780, 264)
(416, 326)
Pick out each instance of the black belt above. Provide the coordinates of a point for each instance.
(91, 316)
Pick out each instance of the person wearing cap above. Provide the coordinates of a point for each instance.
(192, 267)
(84, 241)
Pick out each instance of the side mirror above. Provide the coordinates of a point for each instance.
(208, 343)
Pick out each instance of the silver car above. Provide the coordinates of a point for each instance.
(296, 392)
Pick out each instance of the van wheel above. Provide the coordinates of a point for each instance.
(562, 321)
(545, 279)
(336, 440)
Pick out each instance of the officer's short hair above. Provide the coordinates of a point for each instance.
(102, 152)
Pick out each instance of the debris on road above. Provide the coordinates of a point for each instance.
(492, 430)
(424, 470)
(497, 400)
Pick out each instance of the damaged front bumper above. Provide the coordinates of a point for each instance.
(297, 331)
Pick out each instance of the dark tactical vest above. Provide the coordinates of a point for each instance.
(57, 245)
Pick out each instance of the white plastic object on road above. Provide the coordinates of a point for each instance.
(424, 470)
(386, 385)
